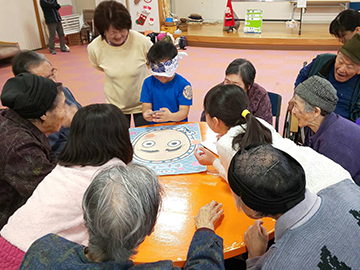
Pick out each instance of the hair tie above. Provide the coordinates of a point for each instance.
(245, 113)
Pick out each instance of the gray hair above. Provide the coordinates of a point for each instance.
(243, 68)
(25, 60)
(120, 207)
(309, 107)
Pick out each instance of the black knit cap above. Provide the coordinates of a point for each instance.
(266, 179)
(29, 95)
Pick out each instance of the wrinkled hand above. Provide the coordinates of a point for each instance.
(208, 215)
(163, 115)
(148, 115)
(256, 239)
(70, 112)
(204, 156)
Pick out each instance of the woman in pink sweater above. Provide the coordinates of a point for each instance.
(98, 138)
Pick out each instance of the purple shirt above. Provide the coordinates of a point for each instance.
(338, 139)
(25, 159)
(259, 103)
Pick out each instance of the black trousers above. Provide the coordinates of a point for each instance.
(138, 119)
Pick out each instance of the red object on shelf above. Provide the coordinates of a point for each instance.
(66, 10)
(229, 15)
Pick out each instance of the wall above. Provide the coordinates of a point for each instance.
(214, 10)
(79, 5)
(18, 24)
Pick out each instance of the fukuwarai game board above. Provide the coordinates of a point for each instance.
(167, 149)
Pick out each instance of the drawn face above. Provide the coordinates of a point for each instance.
(162, 145)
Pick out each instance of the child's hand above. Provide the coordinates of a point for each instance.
(204, 156)
(148, 115)
(163, 115)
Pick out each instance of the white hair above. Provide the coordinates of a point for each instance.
(120, 209)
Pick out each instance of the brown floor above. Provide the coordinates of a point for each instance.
(274, 35)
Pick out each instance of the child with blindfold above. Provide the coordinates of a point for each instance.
(166, 96)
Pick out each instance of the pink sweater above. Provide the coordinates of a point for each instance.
(54, 207)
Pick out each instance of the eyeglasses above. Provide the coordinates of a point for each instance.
(54, 73)
(113, 33)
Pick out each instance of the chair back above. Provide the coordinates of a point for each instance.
(275, 100)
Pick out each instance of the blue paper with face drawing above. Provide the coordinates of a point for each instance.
(167, 149)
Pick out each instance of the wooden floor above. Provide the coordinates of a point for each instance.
(274, 35)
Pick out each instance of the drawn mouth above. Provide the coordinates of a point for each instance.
(149, 151)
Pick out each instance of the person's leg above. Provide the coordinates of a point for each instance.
(61, 35)
(139, 120)
(52, 31)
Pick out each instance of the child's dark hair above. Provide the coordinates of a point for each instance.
(161, 51)
(346, 20)
(243, 68)
(98, 133)
(227, 102)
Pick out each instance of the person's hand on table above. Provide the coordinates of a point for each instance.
(204, 156)
(163, 115)
(208, 215)
(256, 239)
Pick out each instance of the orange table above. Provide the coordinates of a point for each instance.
(175, 227)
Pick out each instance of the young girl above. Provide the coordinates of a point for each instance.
(226, 113)
(98, 138)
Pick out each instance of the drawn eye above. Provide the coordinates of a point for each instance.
(148, 144)
(174, 143)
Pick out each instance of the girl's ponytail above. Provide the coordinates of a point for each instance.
(255, 132)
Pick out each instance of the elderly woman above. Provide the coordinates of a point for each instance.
(99, 138)
(36, 108)
(121, 53)
(120, 209)
(241, 72)
(332, 135)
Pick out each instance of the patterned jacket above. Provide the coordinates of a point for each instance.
(25, 159)
(55, 252)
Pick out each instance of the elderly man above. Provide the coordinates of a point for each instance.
(120, 209)
(332, 135)
(311, 231)
(35, 63)
(343, 72)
